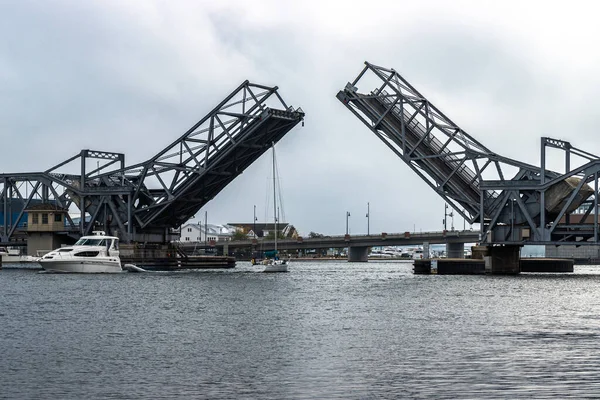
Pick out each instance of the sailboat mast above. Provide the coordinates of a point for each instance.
(274, 199)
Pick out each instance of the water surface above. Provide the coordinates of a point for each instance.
(332, 330)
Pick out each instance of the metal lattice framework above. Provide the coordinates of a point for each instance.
(505, 196)
(146, 201)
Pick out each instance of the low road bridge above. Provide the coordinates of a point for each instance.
(357, 244)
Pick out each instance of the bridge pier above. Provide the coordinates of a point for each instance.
(455, 250)
(503, 260)
(358, 254)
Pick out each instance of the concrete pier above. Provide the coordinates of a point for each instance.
(358, 254)
(502, 260)
(547, 265)
(447, 266)
(455, 250)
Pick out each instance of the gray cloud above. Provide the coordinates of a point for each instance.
(131, 77)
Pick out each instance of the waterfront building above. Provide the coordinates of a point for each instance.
(284, 229)
(46, 228)
(14, 207)
(199, 232)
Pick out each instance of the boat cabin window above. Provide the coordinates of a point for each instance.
(87, 254)
(115, 244)
(64, 250)
(90, 242)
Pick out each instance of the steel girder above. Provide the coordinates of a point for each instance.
(541, 211)
(480, 185)
(19, 191)
(145, 201)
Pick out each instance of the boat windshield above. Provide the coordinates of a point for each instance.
(90, 242)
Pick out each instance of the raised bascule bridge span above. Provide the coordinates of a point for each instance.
(515, 203)
(147, 201)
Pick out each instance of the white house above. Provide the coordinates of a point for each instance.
(264, 229)
(198, 233)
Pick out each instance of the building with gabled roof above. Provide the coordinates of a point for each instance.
(264, 229)
(198, 232)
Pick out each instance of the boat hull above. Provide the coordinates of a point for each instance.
(276, 267)
(11, 259)
(82, 266)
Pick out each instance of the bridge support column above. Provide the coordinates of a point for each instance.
(455, 250)
(503, 260)
(358, 254)
(225, 249)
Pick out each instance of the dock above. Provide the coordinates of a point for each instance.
(179, 263)
(461, 266)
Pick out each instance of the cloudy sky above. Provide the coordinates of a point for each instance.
(132, 76)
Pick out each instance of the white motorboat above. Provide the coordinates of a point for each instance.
(13, 255)
(89, 255)
(378, 253)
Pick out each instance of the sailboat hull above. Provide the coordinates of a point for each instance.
(277, 267)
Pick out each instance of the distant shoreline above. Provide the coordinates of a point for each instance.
(308, 259)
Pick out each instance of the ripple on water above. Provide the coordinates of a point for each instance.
(331, 330)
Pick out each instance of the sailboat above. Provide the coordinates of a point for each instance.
(275, 264)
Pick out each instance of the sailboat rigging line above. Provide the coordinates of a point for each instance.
(275, 264)
(274, 211)
(274, 200)
(281, 211)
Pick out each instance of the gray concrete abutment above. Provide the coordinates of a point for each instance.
(455, 250)
(358, 254)
(502, 260)
(494, 260)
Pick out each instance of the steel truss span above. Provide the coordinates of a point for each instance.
(515, 202)
(146, 201)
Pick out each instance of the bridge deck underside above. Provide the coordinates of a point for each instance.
(429, 154)
(233, 159)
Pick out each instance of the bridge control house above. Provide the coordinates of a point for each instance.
(45, 228)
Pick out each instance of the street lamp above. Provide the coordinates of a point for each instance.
(368, 219)
(198, 238)
(254, 229)
(445, 215)
(205, 231)
(347, 216)
(448, 215)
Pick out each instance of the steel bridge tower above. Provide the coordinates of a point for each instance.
(515, 203)
(145, 202)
